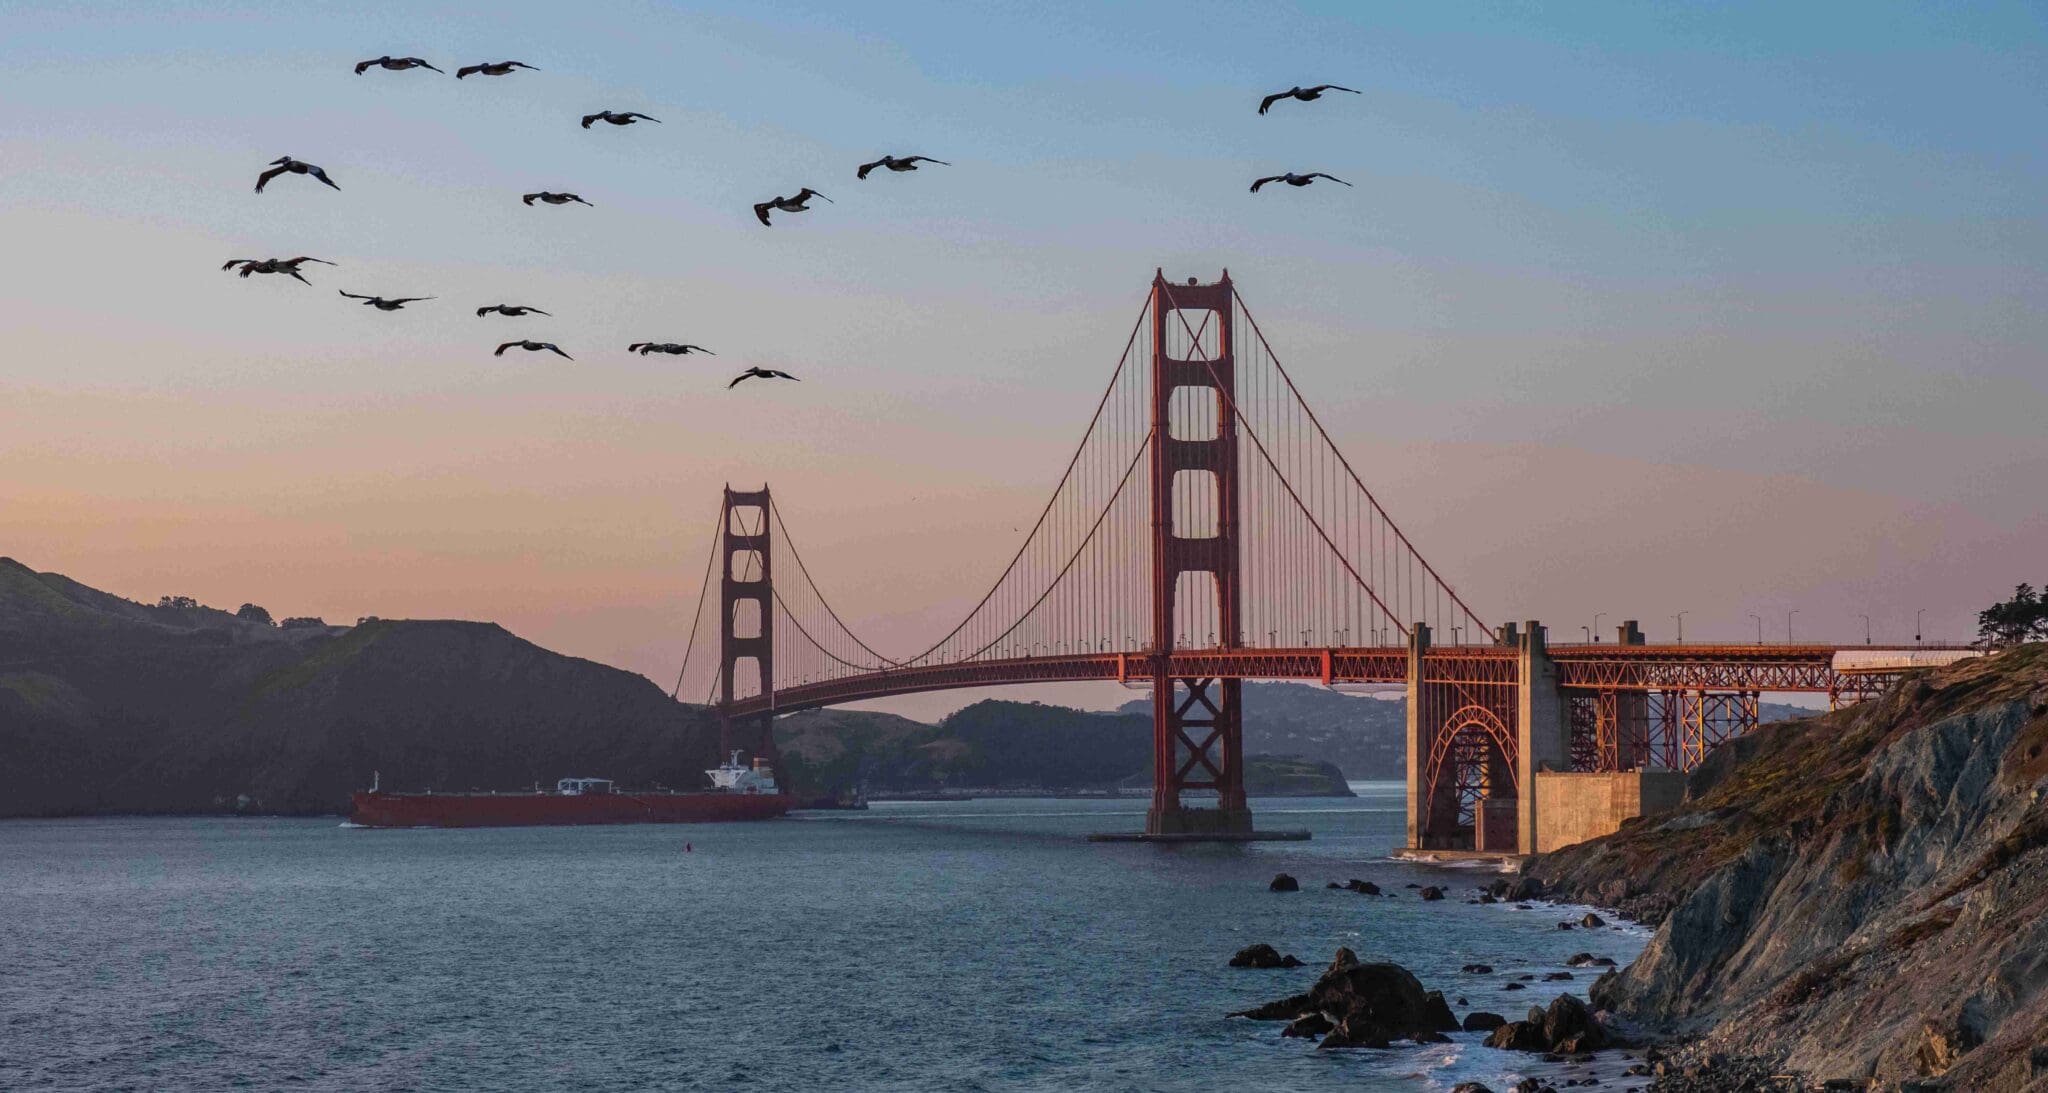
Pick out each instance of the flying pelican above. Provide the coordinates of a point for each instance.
(1305, 94)
(395, 64)
(382, 304)
(898, 163)
(533, 347)
(286, 164)
(512, 310)
(627, 117)
(1293, 179)
(644, 348)
(493, 68)
(273, 265)
(758, 373)
(554, 198)
(788, 204)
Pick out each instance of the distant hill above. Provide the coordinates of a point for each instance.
(108, 705)
(1002, 745)
(1364, 735)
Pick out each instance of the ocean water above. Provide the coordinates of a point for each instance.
(979, 945)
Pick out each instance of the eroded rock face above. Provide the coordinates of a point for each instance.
(1567, 1027)
(1864, 893)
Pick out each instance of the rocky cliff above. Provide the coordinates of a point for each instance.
(1861, 895)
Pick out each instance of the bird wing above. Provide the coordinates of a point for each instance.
(807, 193)
(1266, 103)
(761, 210)
(301, 280)
(360, 66)
(926, 159)
(502, 348)
(639, 347)
(408, 299)
(321, 175)
(355, 295)
(642, 117)
(588, 118)
(1333, 87)
(536, 311)
(233, 262)
(521, 64)
(424, 65)
(1263, 181)
(266, 176)
(529, 198)
(699, 349)
(748, 374)
(577, 198)
(866, 167)
(1332, 178)
(306, 258)
(557, 350)
(483, 311)
(772, 373)
(468, 70)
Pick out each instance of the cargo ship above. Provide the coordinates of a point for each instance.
(739, 792)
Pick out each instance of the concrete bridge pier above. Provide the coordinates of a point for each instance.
(1543, 726)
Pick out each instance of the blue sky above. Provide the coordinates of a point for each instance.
(1747, 290)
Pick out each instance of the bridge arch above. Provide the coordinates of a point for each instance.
(1472, 782)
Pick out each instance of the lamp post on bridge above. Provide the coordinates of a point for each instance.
(1788, 625)
(1596, 625)
(1589, 634)
(1917, 615)
(1866, 629)
(1759, 628)
(1681, 624)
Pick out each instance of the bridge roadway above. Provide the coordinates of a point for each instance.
(1801, 668)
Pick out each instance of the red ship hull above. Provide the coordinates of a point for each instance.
(374, 809)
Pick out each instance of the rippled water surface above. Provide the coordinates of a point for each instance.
(982, 945)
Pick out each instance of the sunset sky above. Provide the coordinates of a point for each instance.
(1732, 309)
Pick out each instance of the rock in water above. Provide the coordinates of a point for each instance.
(1282, 882)
(1366, 1005)
(1571, 1027)
(1482, 1021)
(1471, 1087)
(1263, 955)
(1592, 921)
(1431, 893)
(1477, 969)
(1363, 887)
(1518, 1036)
(1308, 1026)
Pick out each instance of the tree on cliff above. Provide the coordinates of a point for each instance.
(2020, 619)
(253, 613)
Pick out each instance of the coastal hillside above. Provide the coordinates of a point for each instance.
(1001, 745)
(1861, 895)
(108, 705)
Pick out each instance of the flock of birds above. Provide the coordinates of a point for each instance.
(794, 203)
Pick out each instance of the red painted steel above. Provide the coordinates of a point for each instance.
(755, 584)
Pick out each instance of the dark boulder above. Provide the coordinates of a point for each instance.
(1592, 921)
(1365, 1005)
(1523, 889)
(1487, 898)
(1439, 1011)
(1570, 1027)
(1511, 987)
(1263, 955)
(1471, 1087)
(1477, 969)
(1431, 893)
(1564, 925)
(1554, 977)
(1282, 882)
(1482, 1021)
(1363, 887)
(1518, 1036)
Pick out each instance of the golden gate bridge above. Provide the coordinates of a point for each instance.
(1207, 530)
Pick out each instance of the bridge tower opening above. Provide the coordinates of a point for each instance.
(746, 594)
(1197, 724)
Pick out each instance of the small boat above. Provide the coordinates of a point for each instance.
(739, 792)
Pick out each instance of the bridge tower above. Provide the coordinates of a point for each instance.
(1197, 724)
(746, 593)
